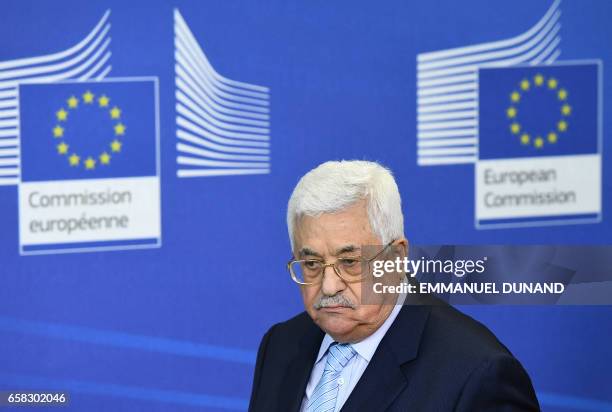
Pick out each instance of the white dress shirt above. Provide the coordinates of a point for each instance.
(356, 366)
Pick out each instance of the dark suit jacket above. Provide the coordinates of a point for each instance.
(432, 358)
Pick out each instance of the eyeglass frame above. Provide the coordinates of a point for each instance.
(333, 265)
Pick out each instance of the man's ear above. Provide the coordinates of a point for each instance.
(401, 246)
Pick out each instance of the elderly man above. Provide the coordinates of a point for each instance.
(343, 354)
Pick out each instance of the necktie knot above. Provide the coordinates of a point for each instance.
(339, 355)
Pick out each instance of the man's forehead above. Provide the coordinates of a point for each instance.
(340, 223)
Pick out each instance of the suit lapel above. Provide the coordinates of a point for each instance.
(295, 380)
(384, 378)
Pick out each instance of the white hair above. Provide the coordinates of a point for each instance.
(336, 185)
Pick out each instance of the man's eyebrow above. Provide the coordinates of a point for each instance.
(347, 249)
(309, 252)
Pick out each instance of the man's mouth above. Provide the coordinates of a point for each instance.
(334, 308)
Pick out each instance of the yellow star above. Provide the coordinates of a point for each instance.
(511, 112)
(566, 109)
(120, 129)
(62, 115)
(562, 126)
(562, 95)
(515, 128)
(515, 96)
(90, 164)
(103, 101)
(58, 131)
(552, 137)
(539, 142)
(115, 113)
(552, 83)
(88, 97)
(74, 160)
(525, 84)
(538, 79)
(105, 158)
(525, 138)
(116, 145)
(73, 102)
(62, 148)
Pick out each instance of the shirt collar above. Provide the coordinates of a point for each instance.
(366, 347)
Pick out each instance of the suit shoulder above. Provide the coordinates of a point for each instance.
(462, 336)
(296, 323)
(292, 328)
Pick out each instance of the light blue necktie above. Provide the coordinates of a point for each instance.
(325, 394)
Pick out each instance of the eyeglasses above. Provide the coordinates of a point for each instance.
(349, 269)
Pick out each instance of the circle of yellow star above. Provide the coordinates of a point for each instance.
(62, 115)
(103, 101)
(105, 158)
(566, 109)
(525, 138)
(115, 113)
(538, 79)
(73, 102)
(116, 146)
(119, 129)
(525, 84)
(58, 131)
(512, 111)
(62, 148)
(74, 159)
(538, 142)
(88, 97)
(90, 163)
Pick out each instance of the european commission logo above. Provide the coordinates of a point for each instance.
(529, 123)
(539, 154)
(89, 166)
(82, 148)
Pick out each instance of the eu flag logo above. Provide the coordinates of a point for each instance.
(87, 130)
(89, 166)
(538, 111)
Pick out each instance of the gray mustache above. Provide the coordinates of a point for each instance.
(336, 300)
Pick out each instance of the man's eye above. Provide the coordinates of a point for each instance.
(312, 264)
(348, 262)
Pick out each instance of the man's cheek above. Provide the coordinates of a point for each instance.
(309, 296)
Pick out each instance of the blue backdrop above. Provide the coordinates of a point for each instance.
(177, 327)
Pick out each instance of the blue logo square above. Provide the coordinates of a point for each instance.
(87, 130)
(537, 111)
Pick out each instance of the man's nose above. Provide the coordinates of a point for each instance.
(332, 283)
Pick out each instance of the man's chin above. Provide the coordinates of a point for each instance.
(335, 322)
